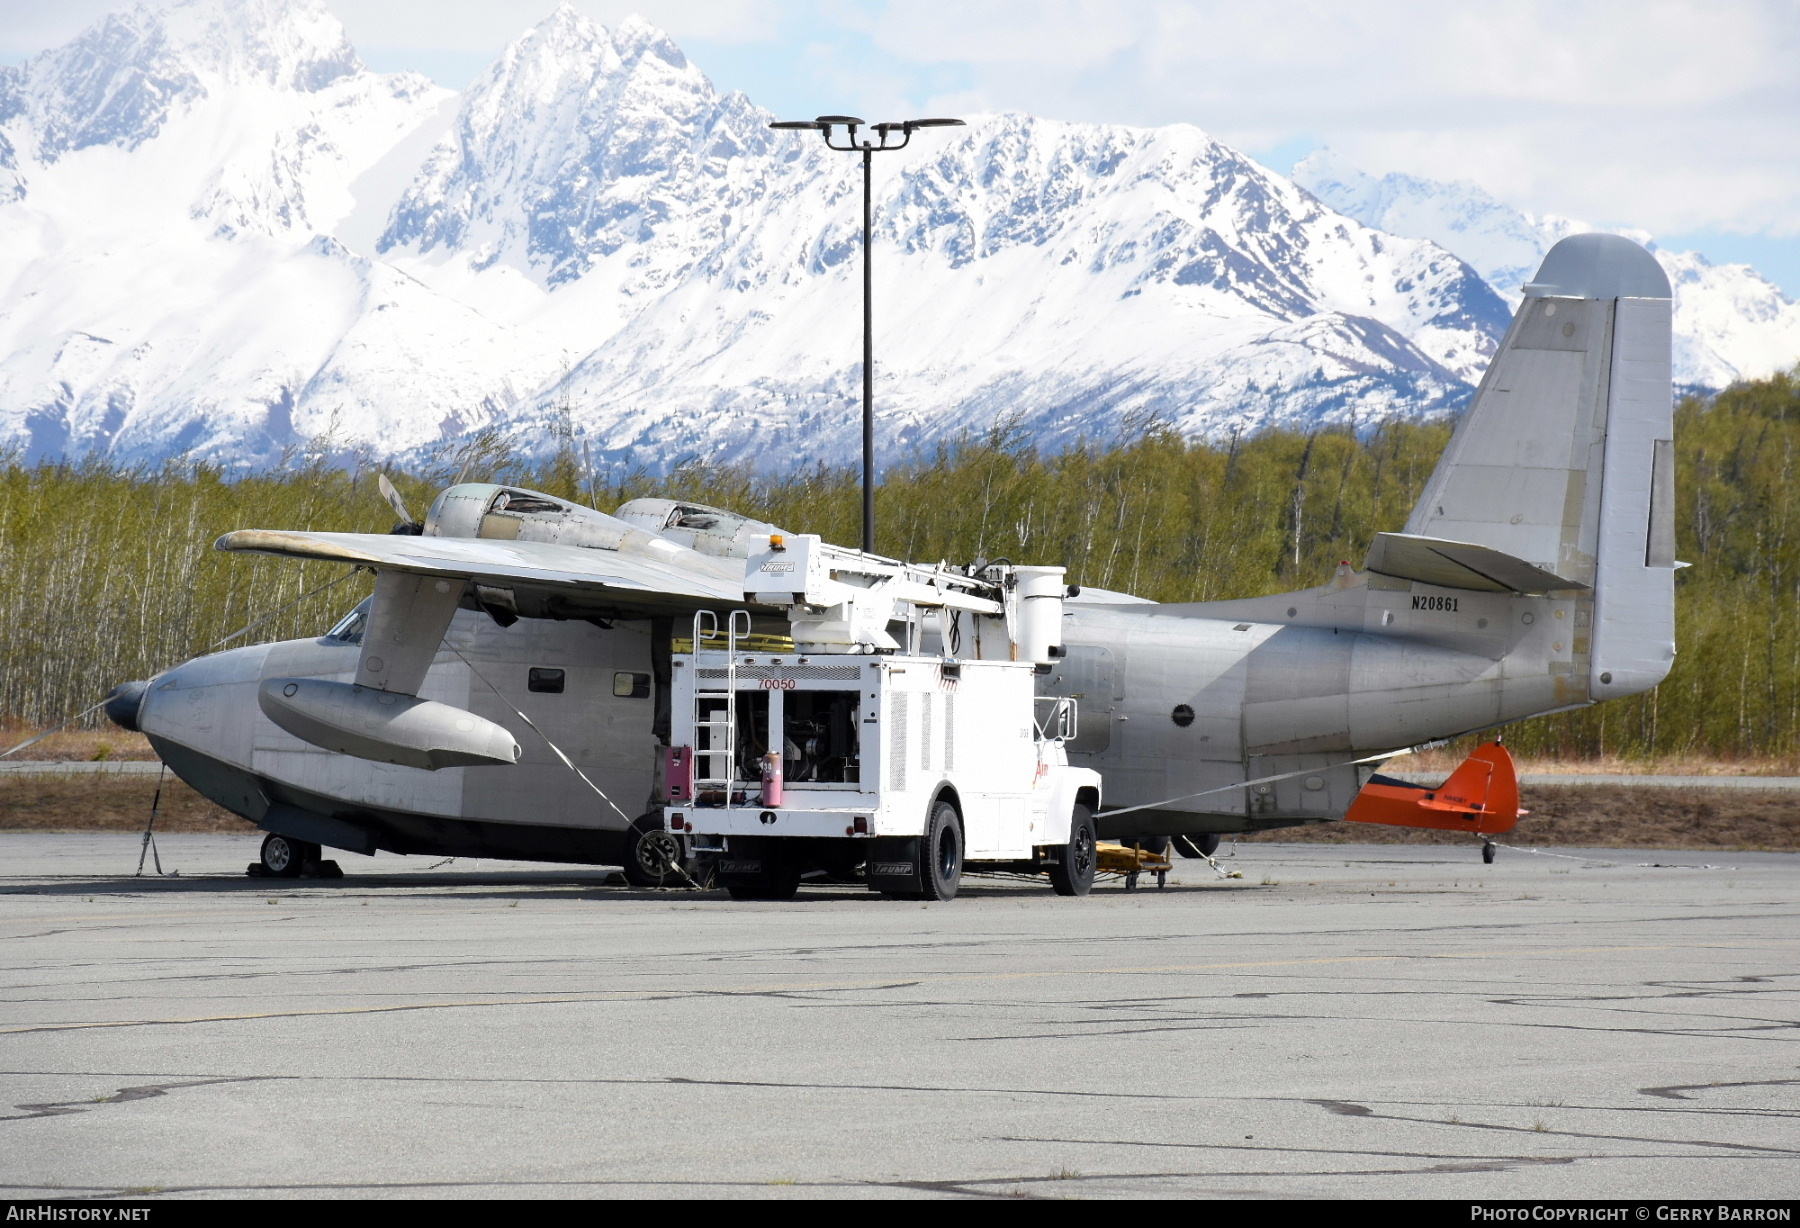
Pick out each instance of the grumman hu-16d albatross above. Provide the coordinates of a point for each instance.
(516, 686)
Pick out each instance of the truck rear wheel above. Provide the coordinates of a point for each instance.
(942, 853)
(1074, 872)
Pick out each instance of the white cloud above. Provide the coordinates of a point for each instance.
(488, 25)
(1667, 114)
(27, 26)
(1049, 35)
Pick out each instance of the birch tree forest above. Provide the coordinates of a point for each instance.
(110, 572)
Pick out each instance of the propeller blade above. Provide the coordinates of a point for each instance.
(394, 500)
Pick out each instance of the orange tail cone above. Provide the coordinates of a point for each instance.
(1481, 797)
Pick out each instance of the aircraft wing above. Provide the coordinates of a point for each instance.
(541, 579)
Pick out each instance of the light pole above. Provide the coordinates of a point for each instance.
(883, 141)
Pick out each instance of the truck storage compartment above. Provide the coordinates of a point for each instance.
(819, 743)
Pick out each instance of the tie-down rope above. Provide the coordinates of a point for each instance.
(554, 748)
(1263, 780)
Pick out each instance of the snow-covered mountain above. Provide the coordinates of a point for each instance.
(1730, 322)
(1072, 274)
(168, 282)
(226, 235)
(221, 234)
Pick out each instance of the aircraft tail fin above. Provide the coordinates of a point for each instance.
(1481, 797)
(1565, 460)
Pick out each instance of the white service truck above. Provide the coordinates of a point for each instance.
(896, 743)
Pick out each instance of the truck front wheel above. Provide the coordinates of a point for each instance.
(1074, 872)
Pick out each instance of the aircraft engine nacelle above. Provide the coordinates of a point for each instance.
(384, 726)
(710, 530)
(508, 513)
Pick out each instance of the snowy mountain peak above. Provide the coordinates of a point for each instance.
(1504, 243)
(1730, 322)
(548, 51)
(635, 38)
(287, 44)
(577, 143)
(261, 242)
(118, 82)
(1330, 176)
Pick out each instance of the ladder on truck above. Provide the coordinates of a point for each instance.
(722, 733)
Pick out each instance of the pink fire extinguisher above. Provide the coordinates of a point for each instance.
(771, 778)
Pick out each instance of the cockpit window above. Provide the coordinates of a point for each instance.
(349, 629)
(694, 518)
(523, 503)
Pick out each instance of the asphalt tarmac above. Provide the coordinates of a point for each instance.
(1341, 1021)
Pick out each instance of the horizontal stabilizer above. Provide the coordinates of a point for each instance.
(1464, 565)
(1481, 797)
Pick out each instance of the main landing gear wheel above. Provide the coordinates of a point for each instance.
(942, 853)
(1198, 847)
(1074, 874)
(653, 856)
(1487, 852)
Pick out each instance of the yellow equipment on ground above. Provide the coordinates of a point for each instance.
(1132, 860)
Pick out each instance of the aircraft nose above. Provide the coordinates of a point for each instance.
(123, 704)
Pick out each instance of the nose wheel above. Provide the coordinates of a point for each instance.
(1487, 852)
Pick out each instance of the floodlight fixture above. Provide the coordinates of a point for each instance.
(883, 140)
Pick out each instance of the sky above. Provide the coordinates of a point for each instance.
(1678, 118)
